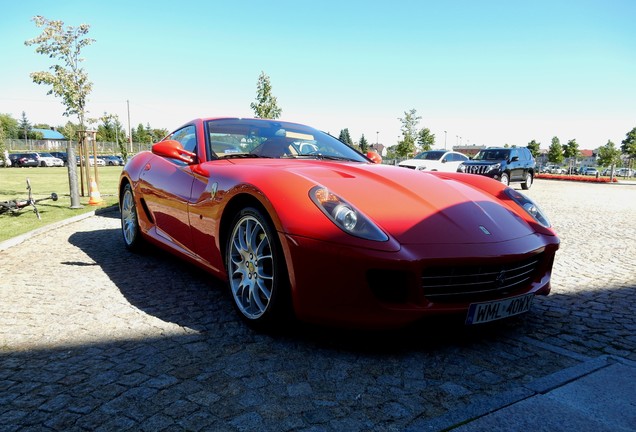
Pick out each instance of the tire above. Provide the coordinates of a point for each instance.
(505, 179)
(129, 221)
(528, 183)
(257, 274)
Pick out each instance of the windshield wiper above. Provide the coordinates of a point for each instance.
(319, 156)
(240, 156)
(339, 158)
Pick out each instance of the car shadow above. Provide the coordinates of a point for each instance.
(175, 291)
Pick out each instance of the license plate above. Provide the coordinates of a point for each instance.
(491, 311)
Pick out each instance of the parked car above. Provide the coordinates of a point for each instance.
(60, 155)
(507, 165)
(91, 161)
(330, 236)
(590, 171)
(435, 160)
(112, 160)
(20, 160)
(48, 160)
(555, 169)
(96, 161)
(625, 172)
(552, 169)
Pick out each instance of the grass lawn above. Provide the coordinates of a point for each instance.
(44, 181)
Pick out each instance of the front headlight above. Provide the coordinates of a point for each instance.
(529, 206)
(421, 168)
(345, 216)
(461, 168)
(494, 167)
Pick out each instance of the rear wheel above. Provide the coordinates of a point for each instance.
(527, 184)
(129, 220)
(256, 270)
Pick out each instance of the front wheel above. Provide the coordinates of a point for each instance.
(527, 184)
(129, 220)
(505, 179)
(256, 269)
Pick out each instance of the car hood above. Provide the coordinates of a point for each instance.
(415, 207)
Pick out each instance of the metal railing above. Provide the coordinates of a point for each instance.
(104, 148)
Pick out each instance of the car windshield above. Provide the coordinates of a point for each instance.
(274, 139)
(46, 155)
(492, 155)
(430, 155)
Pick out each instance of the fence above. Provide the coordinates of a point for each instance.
(103, 148)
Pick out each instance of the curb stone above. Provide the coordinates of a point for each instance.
(22, 237)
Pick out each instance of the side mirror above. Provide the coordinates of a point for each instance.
(374, 157)
(514, 159)
(174, 150)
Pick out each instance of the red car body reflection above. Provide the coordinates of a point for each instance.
(322, 231)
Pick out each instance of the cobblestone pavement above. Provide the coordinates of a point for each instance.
(95, 338)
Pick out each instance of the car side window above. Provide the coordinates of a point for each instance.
(525, 154)
(188, 139)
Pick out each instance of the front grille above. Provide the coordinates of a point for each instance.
(477, 169)
(478, 282)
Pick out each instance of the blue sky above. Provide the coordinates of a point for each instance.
(490, 72)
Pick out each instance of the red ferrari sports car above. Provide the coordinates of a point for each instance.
(300, 224)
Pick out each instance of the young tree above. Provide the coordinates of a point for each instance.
(111, 130)
(534, 148)
(265, 105)
(141, 135)
(25, 126)
(571, 149)
(571, 153)
(555, 152)
(406, 146)
(628, 145)
(67, 78)
(609, 155)
(425, 139)
(409, 123)
(69, 130)
(345, 137)
(364, 145)
(106, 130)
(9, 125)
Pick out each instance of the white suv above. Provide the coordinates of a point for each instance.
(48, 160)
(435, 160)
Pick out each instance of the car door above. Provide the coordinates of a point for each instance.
(166, 185)
(515, 165)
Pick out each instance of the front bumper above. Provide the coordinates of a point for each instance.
(332, 284)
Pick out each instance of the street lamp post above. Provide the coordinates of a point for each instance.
(444, 140)
(376, 139)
